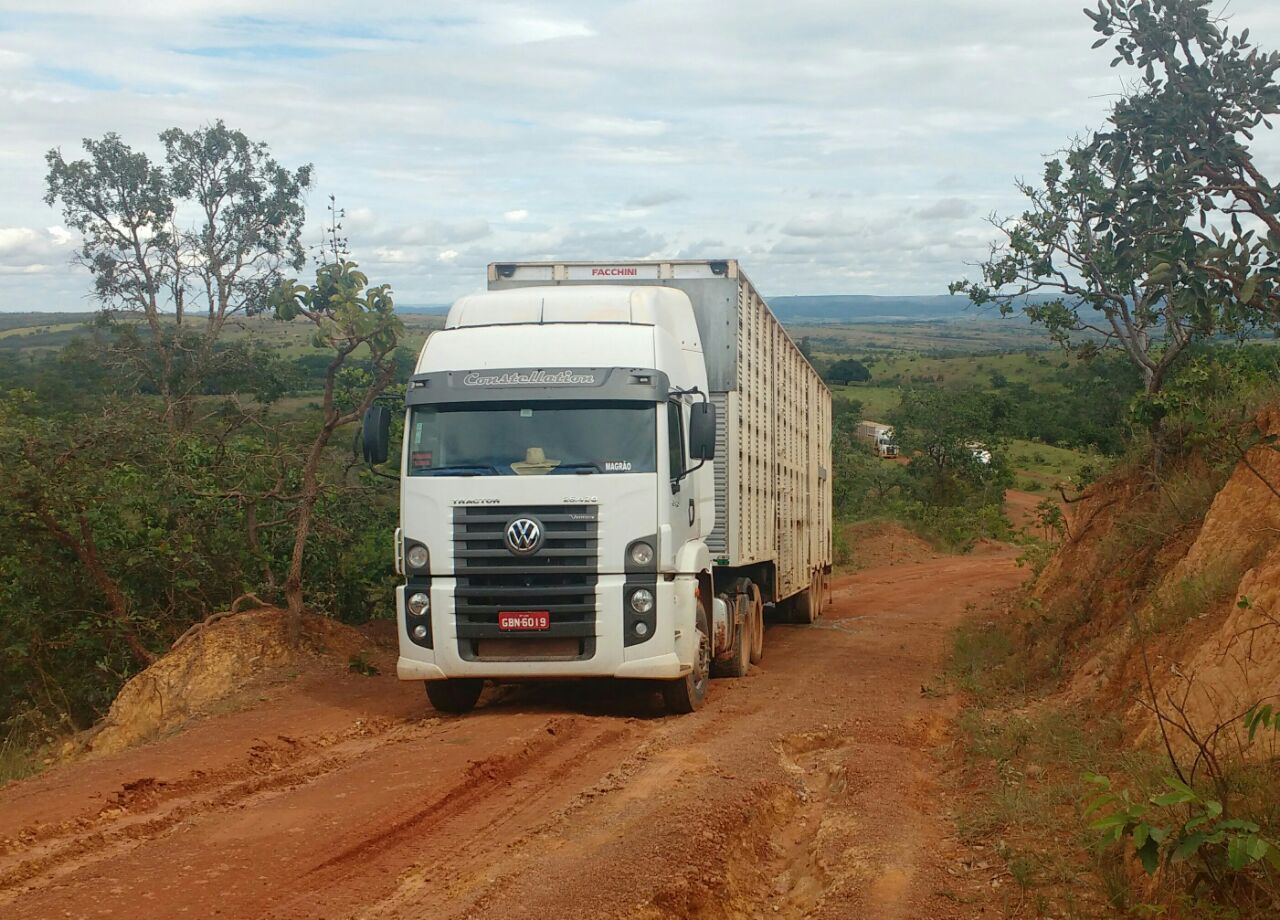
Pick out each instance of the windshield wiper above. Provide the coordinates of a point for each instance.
(472, 470)
(577, 468)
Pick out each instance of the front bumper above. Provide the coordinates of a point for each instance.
(668, 654)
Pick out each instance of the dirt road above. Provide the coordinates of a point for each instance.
(803, 790)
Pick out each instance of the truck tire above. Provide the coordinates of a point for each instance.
(687, 694)
(803, 608)
(740, 649)
(457, 694)
(757, 623)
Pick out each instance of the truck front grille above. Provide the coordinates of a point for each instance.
(559, 578)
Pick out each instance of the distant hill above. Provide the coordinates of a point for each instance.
(809, 308)
(867, 308)
(837, 308)
(431, 309)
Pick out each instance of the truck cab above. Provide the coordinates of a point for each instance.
(556, 494)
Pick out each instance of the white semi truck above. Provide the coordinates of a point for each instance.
(879, 437)
(608, 470)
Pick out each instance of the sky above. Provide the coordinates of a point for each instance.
(833, 146)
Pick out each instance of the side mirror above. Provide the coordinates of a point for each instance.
(375, 434)
(702, 431)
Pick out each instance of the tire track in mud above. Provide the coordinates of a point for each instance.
(479, 777)
(146, 793)
(589, 817)
(145, 810)
(608, 782)
(497, 809)
(802, 790)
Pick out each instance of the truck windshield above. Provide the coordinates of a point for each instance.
(532, 439)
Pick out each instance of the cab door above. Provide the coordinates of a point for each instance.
(678, 492)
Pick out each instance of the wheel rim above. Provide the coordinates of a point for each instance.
(702, 669)
(757, 622)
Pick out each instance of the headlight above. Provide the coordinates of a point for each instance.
(642, 600)
(418, 604)
(641, 553)
(417, 556)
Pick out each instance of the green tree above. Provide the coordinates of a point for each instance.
(248, 219)
(1093, 238)
(349, 317)
(1135, 232)
(863, 484)
(1201, 93)
(945, 433)
(847, 370)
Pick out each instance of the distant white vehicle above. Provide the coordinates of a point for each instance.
(980, 453)
(879, 436)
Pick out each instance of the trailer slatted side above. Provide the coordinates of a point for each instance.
(773, 449)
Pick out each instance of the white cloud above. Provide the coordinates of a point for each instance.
(653, 199)
(34, 250)
(822, 224)
(520, 28)
(947, 209)
(613, 127)
(830, 144)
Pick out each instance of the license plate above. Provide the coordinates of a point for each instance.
(522, 620)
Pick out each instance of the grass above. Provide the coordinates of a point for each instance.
(1049, 465)
(968, 336)
(876, 400)
(890, 371)
(1195, 595)
(1023, 765)
(31, 320)
(39, 329)
(1022, 752)
(32, 331)
(17, 760)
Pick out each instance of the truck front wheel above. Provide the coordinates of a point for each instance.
(686, 694)
(457, 694)
(739, 657)
(757, 623)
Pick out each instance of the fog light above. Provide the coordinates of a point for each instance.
(417, 556)
(641, 553)
(642, 628)
(418, 604)
(419, 632)
(642, 600)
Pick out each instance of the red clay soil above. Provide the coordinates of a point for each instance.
(877, 544)
(806, 789)
(1021, 507)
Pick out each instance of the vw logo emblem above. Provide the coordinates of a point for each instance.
(524, 536)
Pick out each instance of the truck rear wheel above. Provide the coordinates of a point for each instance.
(740, 650)
(803, 607)
(457, 694)
(757, 623)
(686, 694)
